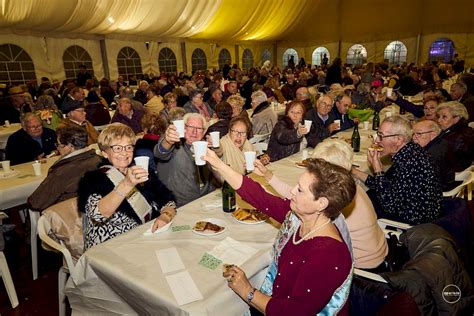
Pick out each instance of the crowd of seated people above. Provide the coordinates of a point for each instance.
(425, 153)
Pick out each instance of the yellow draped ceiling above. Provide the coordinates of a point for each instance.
(239, 20)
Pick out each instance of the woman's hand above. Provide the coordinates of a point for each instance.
(238, 282)
(302, 130)
(165, 217)
(212, 158)
(136, 175)
(261, 170)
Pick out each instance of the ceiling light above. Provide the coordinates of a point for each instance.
(111, 19)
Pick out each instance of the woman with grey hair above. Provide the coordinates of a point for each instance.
(197, 105)
(453, 119)
(263, 117)
(368, 240)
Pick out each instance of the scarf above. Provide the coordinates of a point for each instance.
(233, 156)
(203, 110)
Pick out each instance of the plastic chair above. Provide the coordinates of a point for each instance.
(259, 138)
(260, 148)
(5, 272)
(467, 178)
(460, 176)
(388, 226)
(34, 216)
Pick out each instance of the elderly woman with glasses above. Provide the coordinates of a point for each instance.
(453, 119)
(111, 198)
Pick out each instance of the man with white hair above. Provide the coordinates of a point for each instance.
(460, 93)
(263, 117)
(323, 121)
(409, 191)
(426, 134)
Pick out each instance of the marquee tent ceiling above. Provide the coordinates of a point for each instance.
(238, 20)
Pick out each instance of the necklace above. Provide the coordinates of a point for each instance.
(308, 234)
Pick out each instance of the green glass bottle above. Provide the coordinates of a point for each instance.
(355, 139)
(376, 121)
(228, 198)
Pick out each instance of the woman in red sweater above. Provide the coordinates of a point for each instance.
(311, 270)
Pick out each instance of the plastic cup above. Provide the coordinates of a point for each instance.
(200, 149)
(249, 160)
(389, 92)
(7, 123)
(37, 168)
(6, 165)
(142, 161)
(366, 125)
(338, 124)
(180, 127)
(307, 124)
(215, 136)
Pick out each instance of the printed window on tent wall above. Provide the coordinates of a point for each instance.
(318, 55)
(167, 61)
(356, 55)
(129, 63)
(442, 50)
(247, 59)
(395, 53)
(286, 56)
(224, 56)
(266, 55)
(198, 60)
(16, 66)
(73, 57)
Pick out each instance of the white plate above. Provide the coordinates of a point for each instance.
(247, 223)
(216, 221)
(9, 174)
(158, 231)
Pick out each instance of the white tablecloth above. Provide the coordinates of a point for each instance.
(15, 191)
(5, 132)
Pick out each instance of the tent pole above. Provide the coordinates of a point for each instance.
(417, 54)
(105, 61)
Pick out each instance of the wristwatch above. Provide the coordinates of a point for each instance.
(251, 295)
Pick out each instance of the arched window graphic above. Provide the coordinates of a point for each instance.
(247, 59)
(266, 55)
(198, 60)
(286, 56)
(395, 53)
(224, 56)
(318, 55)
(16, 66)
(356, 55)
(129, 63)
(73, 57)
(167, 61)
(442, 50)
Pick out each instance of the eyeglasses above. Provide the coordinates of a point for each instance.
(120, 148)
(238, 133)
(382, 136)
(194, 128)
(327, 105)
(33, 126)
(418, 134)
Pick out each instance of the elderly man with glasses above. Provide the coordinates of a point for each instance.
(76, 116)
(176, 167)
(409, 191)
(31, 142)
(323, 121)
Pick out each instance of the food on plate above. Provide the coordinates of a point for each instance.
(249, 215)
(302, 163)
(375, 147)
(203, 226)
(226, 267)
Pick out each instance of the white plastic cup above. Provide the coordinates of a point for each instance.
(6, 165)
(307, 124)
(249, 160)
(366, 125)
(180, 127)
(389, 92)
(338, 124)
(37, 168)
(200, 149)
(142, 161)
(7, 123)
(304, 154)
(215, 136)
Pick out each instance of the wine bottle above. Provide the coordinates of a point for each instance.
(228, 198)
(376, 121)
(355, 139)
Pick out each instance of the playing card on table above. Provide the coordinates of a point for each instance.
(209, 261)
(180, 228)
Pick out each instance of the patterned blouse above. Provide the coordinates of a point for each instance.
(410, 190)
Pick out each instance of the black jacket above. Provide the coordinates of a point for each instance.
(21, 147)
(461, 142)
(319, 129)
(443, 159)
(284, 140)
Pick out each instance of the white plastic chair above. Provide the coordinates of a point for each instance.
(5, 273)
(34, 216)
(471, 124)
(388, 226)
(260, 148)
(259, 138)
(467, 178)
(460, 176)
